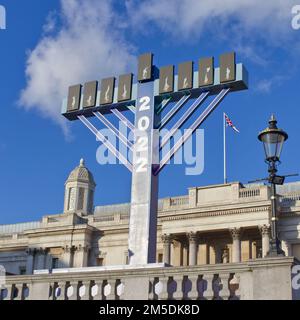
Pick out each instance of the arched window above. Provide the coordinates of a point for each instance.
(72, 199)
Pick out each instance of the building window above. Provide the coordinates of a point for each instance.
(90, 201)
(80, 198)
(22, 270)
(100, 262)
(55, 263)
(160, 258)
(126, 257)
(72, 199)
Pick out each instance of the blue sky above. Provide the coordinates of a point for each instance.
(48, 46)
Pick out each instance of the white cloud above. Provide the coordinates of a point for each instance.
(86, 40)
(188, 18)
(266, 85)
(252, 54)
(257, 29)
(88, 46)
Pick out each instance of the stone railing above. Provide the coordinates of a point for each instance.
(15, 236)
(255, 279)
(175, 202)
(6, 236)
(104, 218)
(124, 216)
(289, 199)
(179, 201)
(249, 193)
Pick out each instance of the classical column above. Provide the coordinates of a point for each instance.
(211, 254)
(81, 256)
(40, 265)
(202, 255)
(193, 244)
(48, 259)
(184, 252)
(218, 253)
(30, 260)
(236, 244)
(67, 257)
(167, 241)
(265, 235)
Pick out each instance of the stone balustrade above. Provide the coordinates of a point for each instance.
(179, 201)
(255, 279)
(249, 192)
(292, 199)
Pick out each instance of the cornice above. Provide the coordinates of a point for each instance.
(215, 213)
(66, 229)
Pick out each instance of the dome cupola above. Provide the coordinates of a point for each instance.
(79, 191)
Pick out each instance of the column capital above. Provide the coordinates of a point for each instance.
(185, 243)
(264, 230)
(69, 249)
(35, 251)
(235, 233)
(42, 251)
(83, 248)
(192, 236)
(30, 251)
(166, 238)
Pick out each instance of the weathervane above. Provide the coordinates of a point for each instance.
(154, 91)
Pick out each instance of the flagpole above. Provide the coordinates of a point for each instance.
(224, 141)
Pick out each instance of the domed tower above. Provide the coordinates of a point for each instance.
(79, 191)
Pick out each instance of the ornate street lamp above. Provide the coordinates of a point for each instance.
(273, 139)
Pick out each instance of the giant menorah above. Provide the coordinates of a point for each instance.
(156, 93)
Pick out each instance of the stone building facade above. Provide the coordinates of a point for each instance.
(215, 224)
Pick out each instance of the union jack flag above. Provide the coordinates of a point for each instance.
(230, 124)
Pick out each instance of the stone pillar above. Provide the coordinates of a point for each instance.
(193, 246)
(184, 253)
(48, 259)
(202, 255)
(67, 258)
(211, 254)
(236, 244)
(40, 259)
(81, 256)
(265, 235)
(30, 260)
(192, 197)
(218, 253)
(167, 241)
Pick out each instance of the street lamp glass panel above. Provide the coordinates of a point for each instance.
(273, 143)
